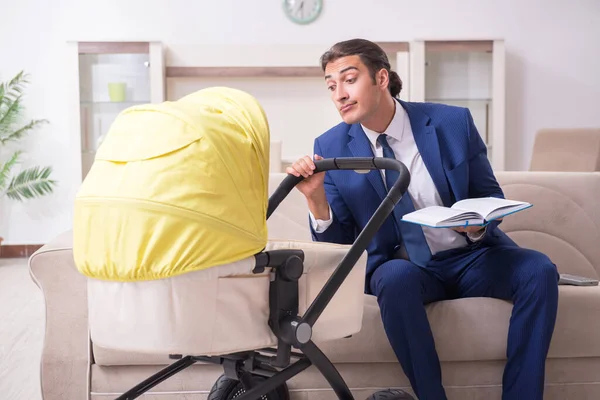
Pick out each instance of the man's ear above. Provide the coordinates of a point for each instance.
(383, 78)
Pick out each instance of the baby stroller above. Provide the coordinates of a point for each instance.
(246, 315)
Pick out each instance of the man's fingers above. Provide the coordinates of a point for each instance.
(470, 229)
(309, 162)
(292, 171)
(304, 166)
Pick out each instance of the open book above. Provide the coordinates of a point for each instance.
(468, 212)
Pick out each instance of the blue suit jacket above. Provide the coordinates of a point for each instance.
(453, 153)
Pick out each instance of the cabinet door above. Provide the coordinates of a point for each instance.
(111, 77)
(467, 74)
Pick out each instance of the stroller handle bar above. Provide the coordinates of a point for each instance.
(346, 163)
(358, 164)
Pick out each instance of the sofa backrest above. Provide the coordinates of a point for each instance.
(290, 220)
(563, 223)
(568, 150)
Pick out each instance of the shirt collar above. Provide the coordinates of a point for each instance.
(394, 130)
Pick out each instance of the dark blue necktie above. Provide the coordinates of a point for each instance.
(412, 234)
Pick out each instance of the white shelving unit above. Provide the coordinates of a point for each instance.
(139, 67)
(285, 79)
(468, 74)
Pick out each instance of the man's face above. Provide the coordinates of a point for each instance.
(352, 89)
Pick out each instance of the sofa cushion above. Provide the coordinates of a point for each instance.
(477, 328)
(464, 330)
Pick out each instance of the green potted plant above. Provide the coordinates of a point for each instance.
(17, 183)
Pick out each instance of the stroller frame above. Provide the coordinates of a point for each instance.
(290, 329)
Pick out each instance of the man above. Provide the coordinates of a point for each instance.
(410, 266)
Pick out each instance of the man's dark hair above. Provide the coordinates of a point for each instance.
(371, 54)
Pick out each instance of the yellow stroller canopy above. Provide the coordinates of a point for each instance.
(175, 187)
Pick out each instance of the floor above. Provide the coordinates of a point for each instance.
(21, 332)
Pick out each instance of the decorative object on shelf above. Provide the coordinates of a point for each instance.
(117, 91)
(302, 11)
(30, 182)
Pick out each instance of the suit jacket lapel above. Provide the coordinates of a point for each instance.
(360, 147)
(429, 148)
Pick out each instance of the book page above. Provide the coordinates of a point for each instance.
(441, 216)
(486, 206)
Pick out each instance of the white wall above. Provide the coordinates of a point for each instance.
(552, 61)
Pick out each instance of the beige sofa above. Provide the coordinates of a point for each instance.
(566, 149)
(470, 334)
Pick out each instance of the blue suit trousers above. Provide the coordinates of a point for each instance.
(526, 277)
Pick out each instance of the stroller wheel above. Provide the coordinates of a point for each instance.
(391, 394)
(229, 389)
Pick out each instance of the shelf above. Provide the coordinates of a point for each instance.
(243, 72)
(394, 47)
(459, 100)
(125, 103)
(486, 46)
(114, 47)
(308, 71)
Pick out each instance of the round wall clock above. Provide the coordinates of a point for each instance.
(302, 11)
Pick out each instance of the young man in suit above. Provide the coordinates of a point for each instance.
(410, 266)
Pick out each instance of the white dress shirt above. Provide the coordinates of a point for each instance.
(422, 190)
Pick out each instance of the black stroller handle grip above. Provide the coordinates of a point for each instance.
(366, 235)
(345, 163)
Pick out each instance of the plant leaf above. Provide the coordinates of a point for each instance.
(10, 101)
(10, 114)
(30, 183)
(6, 168)
(9, 91)
(19, 133)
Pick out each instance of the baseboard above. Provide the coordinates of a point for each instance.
(18, 250)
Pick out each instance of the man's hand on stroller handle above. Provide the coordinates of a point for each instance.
(312, 186)
(314, 189)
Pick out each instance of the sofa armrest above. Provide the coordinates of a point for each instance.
(65, 356)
